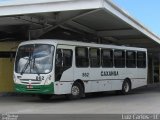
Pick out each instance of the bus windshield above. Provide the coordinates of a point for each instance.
(34, 59)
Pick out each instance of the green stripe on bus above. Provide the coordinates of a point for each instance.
(35, 89)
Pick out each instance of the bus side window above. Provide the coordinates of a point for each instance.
(141, 59)
(67, 58)
(107, 58)
(63, 62)
(82, 59)
(94, 55)
(131, 59)
(119, 58)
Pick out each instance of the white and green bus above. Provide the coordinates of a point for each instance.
(56, 67)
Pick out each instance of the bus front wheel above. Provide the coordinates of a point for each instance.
(77, 91)
(126, 87)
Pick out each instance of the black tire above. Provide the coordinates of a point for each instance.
(126, 87)
(45, 97)
(77, 91)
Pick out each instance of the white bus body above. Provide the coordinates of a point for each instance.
(97, 68)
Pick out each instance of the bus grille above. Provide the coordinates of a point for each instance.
(33, 82)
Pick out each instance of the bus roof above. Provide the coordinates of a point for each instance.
(76, 43)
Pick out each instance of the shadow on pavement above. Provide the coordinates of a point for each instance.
(59, 99)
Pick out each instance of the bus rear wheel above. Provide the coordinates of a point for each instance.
(45, 97)
(126, 87)
(77, 91)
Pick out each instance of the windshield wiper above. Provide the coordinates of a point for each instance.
(25, 66)
(28, 63)
(36, 68)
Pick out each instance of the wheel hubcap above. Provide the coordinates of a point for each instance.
(126, 87)
(75, 90)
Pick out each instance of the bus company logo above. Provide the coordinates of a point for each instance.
(9, 117)
(109, 73)
(29, 86)
(30, 82)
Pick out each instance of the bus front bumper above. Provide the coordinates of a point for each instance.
(35, 89)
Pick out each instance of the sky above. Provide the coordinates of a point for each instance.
(147, 12)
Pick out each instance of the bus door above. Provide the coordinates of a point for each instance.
(63, 64)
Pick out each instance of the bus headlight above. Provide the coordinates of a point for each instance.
(48, 81)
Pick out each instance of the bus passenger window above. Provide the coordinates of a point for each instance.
(131, 59)
(94, 54)
(107, 58)
(82, 57)
(119, 58)
(67, 58)
(141, 59)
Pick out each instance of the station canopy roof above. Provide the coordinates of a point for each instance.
(94, 19)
